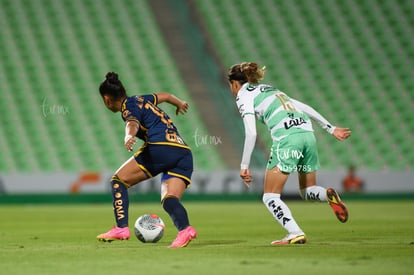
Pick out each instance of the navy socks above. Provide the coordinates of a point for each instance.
(120, 202)
(177, 212)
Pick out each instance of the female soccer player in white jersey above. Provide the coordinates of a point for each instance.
(294, 146)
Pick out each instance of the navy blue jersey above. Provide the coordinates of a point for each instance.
(155, 126)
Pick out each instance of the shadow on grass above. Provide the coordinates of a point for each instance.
(216, 242)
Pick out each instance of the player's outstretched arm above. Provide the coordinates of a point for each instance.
(181, 105)
(312, 113)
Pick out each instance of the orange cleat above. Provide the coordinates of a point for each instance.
(337, 205)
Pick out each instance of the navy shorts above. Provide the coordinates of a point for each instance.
(173, 161)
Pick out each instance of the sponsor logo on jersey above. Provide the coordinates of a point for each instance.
(251, 87)
(294, 121)
(266, 88)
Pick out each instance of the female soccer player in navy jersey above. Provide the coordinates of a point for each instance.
(164, 151)
(294, 145)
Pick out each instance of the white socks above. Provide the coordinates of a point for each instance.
(313, 193)
(281, 212)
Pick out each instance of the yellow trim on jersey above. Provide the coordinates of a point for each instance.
(155, 99)
(123, 104)
(143, 128)
(132, 119)
(180, 176)
(171, 144)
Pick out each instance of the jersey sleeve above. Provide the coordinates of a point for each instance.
(132, 108)
(151, 98)
(245, 105)
(129, 113)
(312, 113)
(249, 140)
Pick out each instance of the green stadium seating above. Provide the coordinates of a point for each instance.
(351, 60)
(54, 55)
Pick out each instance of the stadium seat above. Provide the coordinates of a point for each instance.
(348, 59)
(54, 55)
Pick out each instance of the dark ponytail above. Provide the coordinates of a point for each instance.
(112, 86)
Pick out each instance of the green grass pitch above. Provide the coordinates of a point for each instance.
(233, 238)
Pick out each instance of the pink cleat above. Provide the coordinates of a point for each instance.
(184, 237)
(116, 233)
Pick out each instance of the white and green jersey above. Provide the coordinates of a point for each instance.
(282, 115)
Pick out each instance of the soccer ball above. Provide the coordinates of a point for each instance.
(149, 228)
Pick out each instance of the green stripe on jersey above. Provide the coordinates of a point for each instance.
(280, 117)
